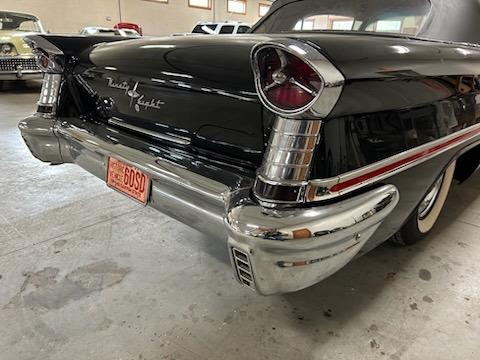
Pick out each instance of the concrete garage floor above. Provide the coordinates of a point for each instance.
(88, 274)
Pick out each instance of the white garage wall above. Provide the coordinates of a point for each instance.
(69, 16)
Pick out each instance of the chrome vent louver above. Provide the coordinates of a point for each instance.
(243, 268)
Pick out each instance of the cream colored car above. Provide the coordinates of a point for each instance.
(17, 61)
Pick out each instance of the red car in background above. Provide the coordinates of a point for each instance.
(131, 26)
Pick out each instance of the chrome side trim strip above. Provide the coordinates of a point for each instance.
(323, 189)
(180, 140)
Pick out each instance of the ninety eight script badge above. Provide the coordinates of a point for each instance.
(138, 101)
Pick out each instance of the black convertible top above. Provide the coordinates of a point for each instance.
(448, 20)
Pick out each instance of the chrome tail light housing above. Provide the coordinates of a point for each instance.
(51, 61)
(287, 82)
(298, 83)
(295, 80)
(47, 104)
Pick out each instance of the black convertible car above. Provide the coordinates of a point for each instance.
(331, 127)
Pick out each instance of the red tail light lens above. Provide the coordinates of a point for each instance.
(43, 59)
(286, 81)
(48, 63)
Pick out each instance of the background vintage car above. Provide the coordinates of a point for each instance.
(103, 31)
(17, 61)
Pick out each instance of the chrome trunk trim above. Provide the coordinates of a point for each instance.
(177, 139)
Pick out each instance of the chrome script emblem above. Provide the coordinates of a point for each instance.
(121, 86)
(133, 94)
(138, 101)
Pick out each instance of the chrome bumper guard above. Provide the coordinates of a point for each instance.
(272, 251)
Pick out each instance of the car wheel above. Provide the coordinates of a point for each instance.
(425, 216)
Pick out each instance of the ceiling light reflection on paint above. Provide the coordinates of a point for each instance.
(297, 49)
(400, 49)
(464, 52)
(168, 73)
(157, 46)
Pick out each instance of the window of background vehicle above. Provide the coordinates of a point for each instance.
(242, 29)
(237, 6)
(227, 29)
(404, 25)
(28, 25)
(199, 29)
(325, 22)
(402, 17)
(18, 24)
(107, 32)
(263, 9)
(201, 4)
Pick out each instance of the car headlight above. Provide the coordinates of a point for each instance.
(6, 49)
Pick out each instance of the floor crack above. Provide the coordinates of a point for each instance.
(67, 233)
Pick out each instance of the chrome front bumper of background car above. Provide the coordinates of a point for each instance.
(21, 75)
(271, 251)
(19, 68)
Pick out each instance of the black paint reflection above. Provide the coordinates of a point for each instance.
(352, 142)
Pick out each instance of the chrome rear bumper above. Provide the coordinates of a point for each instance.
(272, 251)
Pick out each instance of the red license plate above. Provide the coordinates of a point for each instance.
(128, 180)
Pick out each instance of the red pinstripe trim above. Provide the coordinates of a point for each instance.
(400, 163)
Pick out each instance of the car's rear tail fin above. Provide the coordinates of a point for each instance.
(53, 50)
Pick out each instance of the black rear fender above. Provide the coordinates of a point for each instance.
(467, 164)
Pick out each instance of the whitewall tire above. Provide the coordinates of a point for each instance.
(425, 216)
